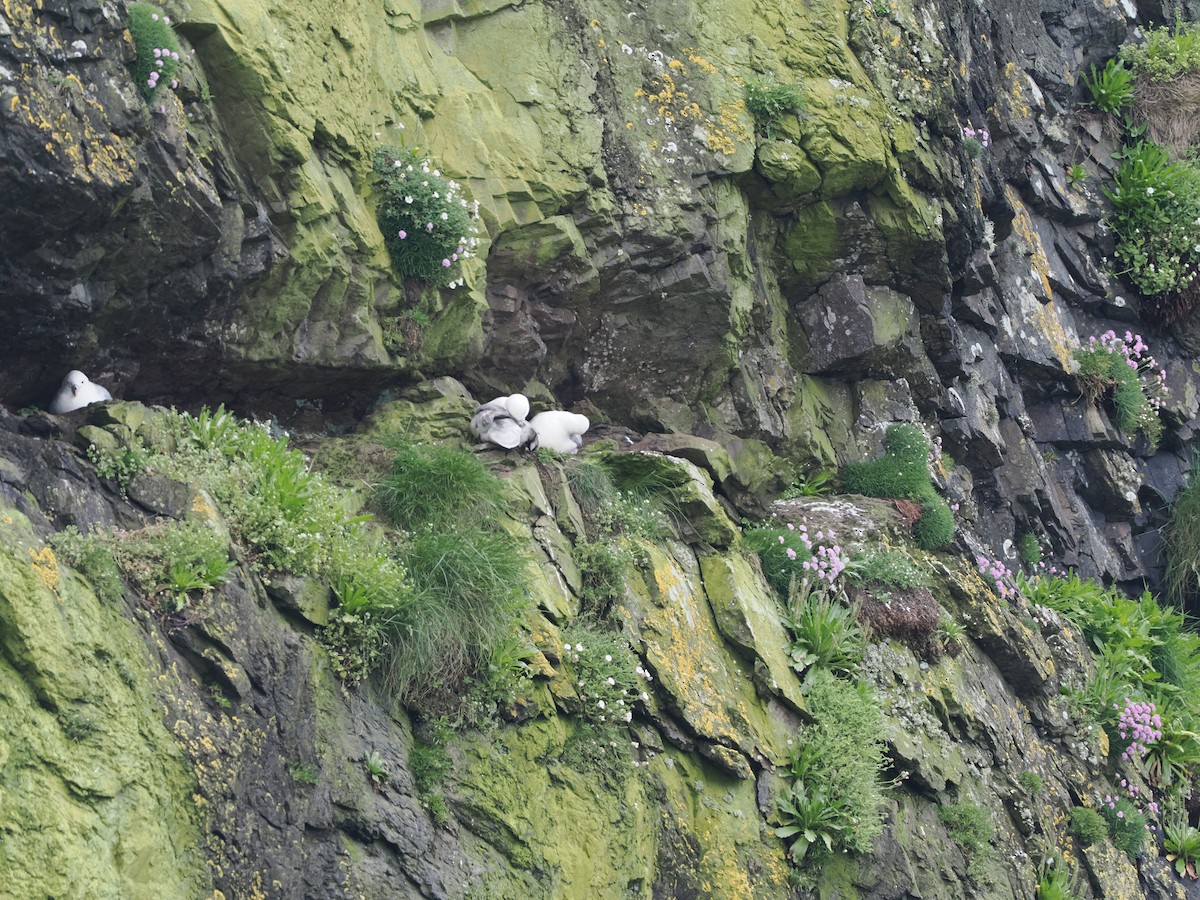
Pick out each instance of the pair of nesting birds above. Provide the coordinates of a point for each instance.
(77, 392)
(504, 422)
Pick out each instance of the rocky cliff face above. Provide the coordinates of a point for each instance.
(651, 258)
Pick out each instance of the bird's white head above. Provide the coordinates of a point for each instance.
(518, 406)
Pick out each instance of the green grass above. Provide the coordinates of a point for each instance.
(1181, 538)
(1029, 549)
(1088, 826)
(768, 101)
(972, 829)
(431, 486)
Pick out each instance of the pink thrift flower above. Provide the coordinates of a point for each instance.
(446, 263)
(402, 233)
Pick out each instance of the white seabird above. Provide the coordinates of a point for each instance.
(77, 392)
(559, 430)
(503, 422)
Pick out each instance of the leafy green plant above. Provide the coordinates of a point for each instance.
(951, 636)
(1076, 174)
(120, 464)
(839, 759)
(808, 818)
(304, 773)
(375, 768)
(165, 561)
(1126, 826)
(1111, 88)
(811, 485)
(1168, 54)
(93, 557)
(1088, 826)
(157, 48)
(769, 101)
(825, 635)
(1182, 843)
(1156, 208)
(427, 224)
(1055, 881)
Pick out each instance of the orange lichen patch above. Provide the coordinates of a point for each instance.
(704, 65)
(46, 566)
(1061, 344)
(1016, 91)
(93, 153)
(1023, 226)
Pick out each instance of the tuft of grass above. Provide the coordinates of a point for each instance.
(467, 583)
(431, 486)
(1029, 549)
(769, 101)
(430, 764)
(902, 473)
(1030, 782)
(1181, 537)
(1088, 826)
(304, 773)
(971, 828)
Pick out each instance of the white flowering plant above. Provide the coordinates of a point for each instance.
(608, 679)
(1156, 220)
(428, 225)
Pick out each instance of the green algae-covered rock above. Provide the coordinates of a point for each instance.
(568, 833)
(711, 687)
(97, 801)
(747, 614)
